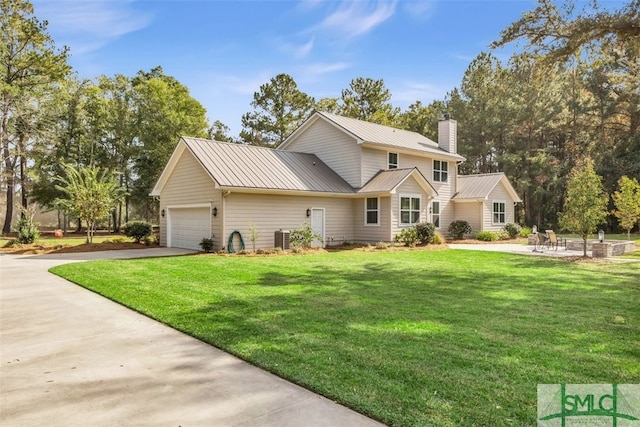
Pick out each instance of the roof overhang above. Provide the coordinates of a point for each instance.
(431, 152)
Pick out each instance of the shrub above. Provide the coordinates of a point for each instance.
(206, 244)
(486, 236)
(425, 232)
(408, 236)
(512, 229)
(383, 245)
(27, 230)
(503, 235)
(438, 238)
(525, 231)
(137, 230)
(457, 229)
(303, 237)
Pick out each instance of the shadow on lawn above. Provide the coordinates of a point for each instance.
(387, 332)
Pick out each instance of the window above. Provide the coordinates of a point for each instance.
(371, 211)
(499, 212)
(435, 213)
(393, 161)
(440, 171)
(409, 209)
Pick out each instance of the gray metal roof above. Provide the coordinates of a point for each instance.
(475, 187)
(387, 180)
(385, 135)
(247, 166)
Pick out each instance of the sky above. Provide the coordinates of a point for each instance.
(224, 50)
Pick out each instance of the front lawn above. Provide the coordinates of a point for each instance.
(442, 337)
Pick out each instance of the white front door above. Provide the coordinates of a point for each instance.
(317, 225)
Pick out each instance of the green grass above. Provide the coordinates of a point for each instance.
(443, 338)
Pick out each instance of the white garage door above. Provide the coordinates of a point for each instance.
(188, 226)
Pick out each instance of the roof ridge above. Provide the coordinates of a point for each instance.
(247, 146)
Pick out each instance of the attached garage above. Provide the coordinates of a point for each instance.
(187, 226)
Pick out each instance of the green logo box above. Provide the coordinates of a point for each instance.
(592, 405)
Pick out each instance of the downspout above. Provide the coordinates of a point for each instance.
(223, 217)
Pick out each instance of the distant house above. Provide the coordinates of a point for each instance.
(350, 180)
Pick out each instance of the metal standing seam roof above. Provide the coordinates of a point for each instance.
(388, 180)
(246, 166)
(474, 187)
(385, 135)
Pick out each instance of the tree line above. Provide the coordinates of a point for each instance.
(571, 93)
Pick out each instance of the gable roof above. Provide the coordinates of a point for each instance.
(480, 186)
(249, 167)
(375, 134)
(386, 181)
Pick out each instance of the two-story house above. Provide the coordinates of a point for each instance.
(350, 180)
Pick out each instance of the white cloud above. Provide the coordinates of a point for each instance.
(420, 8)
(86, 26)
(319, 69)
(354, 18)
(408, 92)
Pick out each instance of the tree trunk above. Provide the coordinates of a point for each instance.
(584, 244)
(6, 228)
(23, 183)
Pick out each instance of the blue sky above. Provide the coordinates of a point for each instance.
(224, 50)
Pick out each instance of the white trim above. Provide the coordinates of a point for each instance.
(420, 210)
(439, 213)
(186, 206)
(397, 166)
(493, 202)
(433, 171)
(366, 210)
(324, 224)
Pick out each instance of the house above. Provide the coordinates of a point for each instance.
(350, 180)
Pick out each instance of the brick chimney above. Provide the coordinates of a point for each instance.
(448, 134)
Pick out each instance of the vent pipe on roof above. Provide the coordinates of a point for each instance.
(448, 134)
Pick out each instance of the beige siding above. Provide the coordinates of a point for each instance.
(340, 152)
(409, 187)
(470, 212)
(372, 233)
(445, 189)
(499, 194)
(189, 184)
(372, 162)
(270, 213)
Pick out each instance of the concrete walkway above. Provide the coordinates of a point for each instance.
(70, 357)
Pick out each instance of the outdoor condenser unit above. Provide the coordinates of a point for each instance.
(282, 239)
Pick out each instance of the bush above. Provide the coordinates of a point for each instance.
(206, 244)
(503, 235)
(438, 239)
(457, 229)
(27, 230)
(137, 230)
(525, 232)
(486, 236)
(408, 236)
(302, 238)
(383, 245)
(425, 232)
(513, 230)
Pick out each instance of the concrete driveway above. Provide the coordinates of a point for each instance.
(71, 357)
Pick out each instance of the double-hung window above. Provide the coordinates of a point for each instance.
(392, 161)
(409, 209)
(499, 212)
(372, 211)
(440, 171)
(435, 213)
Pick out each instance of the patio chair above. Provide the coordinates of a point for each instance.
(553, 240)
(541, 241)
